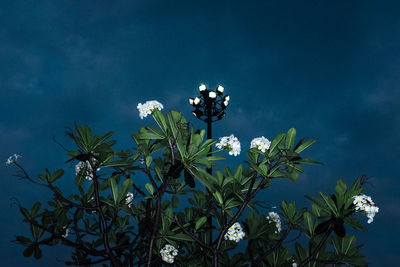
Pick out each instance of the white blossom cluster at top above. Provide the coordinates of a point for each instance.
(274, 217)
(148, 107)
(12, 159)
(235, 233)
(261, 143)
(168, 253)
(364, 203)
(230, 143)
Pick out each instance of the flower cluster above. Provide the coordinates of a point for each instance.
(81, 165)
(168, 253)
(129, 199)
(365, 203)
(148, 107)
(12, 159)
(261, 143)
(231, 143)
(273, 216)
(235, 233)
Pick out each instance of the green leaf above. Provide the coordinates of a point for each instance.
(79, 179)
(126, 186)
(25, 212)
(231, 203)
(317, 202)
(114, 189)
(181, 237)
(309, 223)
(117, 163)
(23, 240)
(304, 145)
(175, 202)
(340, 187)
(263, 169)
(290, 137)
(340, 190)
(36, 207)
(200, 222)
(37, 253)
(204, 177)
(253, 156)
(28, 251)
(174, 121)
(355, 223)
(301, 253)
(277, 140)
(218, 197)
(238, 173)
(293, 176)
(309, 161)
(160, 120)
(149, 188)
(329, 202)
(149, 159)
(103, 138)
(56, 175)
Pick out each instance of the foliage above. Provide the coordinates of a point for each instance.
(106, 226)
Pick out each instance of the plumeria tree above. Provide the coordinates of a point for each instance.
(115, 220)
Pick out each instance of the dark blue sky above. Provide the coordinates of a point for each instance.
(328, 68)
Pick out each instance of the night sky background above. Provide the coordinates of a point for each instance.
(328, 68)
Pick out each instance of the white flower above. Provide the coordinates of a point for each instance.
(202, 87)
(80, 165)
(12, 159)
(235, 233)
(196, 100)
(294, 264)
(261, 143)
(168, 253)
(212, 94)
(66, 233)
(220, 89)
(231, 143)
(364, 203)
(273, 216)
(129, 199)
(146, 108)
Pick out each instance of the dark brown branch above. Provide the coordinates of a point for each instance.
(153, 183)
(199, 241)
(249, 196)
(317, 249)
(159, 193)
(66, 241)
(104, 229)
(277, 245)
(26, 175)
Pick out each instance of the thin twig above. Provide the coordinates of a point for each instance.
(278, 244)
(316, 250)
(199, 241)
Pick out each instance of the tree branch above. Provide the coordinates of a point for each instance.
(316, 250)
(199, 241)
